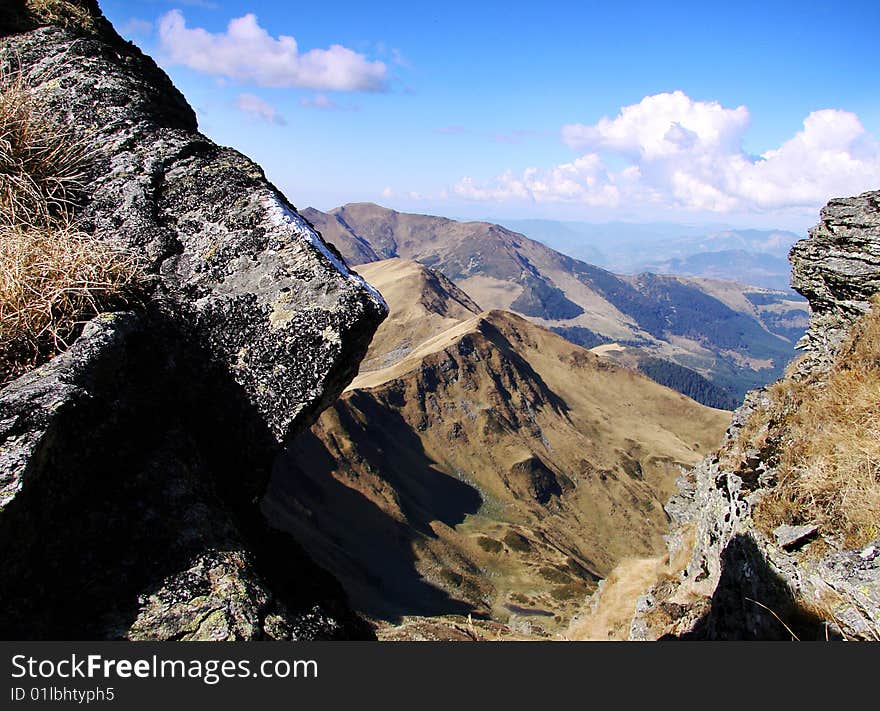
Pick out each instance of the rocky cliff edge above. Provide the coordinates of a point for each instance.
(742, 581)
(131, 466)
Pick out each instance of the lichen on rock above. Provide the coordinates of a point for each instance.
(132, 465)
(838, 270)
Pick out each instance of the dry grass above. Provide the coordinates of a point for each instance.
(52, 275)
(611, 610)
(64, 13)
(25, 15)
(50, 279)
(834, 607)
(825, 433)
(42, 165)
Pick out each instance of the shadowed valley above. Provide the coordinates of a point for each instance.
(482, 465)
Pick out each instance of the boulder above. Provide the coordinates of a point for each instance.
(132, 465)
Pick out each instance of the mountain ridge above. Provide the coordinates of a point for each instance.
(759, 255)
(490, 460)
(651, 315)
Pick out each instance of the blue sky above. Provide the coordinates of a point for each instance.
(739, 113)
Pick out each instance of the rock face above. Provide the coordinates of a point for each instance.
(838, 270)
(741, 583)
(132, 465)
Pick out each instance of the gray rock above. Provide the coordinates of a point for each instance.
(838, 270)
(737, 584)
(848, 585)
(791, 537)
(280, 311)
(131, 466)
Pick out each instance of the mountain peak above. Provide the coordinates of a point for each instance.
(721, 339)
(365, 205)
(426, 303)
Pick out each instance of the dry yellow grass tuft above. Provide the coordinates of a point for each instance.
(52, 275)
(64, 13)
(826, 436)
(50, 279)
(42, 165)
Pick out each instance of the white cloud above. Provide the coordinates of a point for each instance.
(387, 193)
(663, 125)
(831, 156)
(247, 53)
(258, 109)
(584, 180)
(681, 153)
(324, 102)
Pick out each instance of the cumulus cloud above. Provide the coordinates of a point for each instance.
(663, 125)
(677, 152)
(258, 109)
(247, 53)
(584, 180)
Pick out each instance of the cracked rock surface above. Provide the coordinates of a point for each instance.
(838, 270)
(131, 466)
(740, 583)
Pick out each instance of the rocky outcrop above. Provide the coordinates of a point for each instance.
(132, 465)
(740, 582)
(838, 270)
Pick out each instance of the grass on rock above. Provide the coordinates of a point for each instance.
(824, 434)
(53, 276)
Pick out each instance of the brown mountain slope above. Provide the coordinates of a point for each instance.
(495, 469)
(354, 249)
(737, 336)
(428, 304)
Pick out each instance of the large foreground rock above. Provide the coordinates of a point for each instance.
(132, 466)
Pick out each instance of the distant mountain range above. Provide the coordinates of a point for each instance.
(749, 256)
(734, 337)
